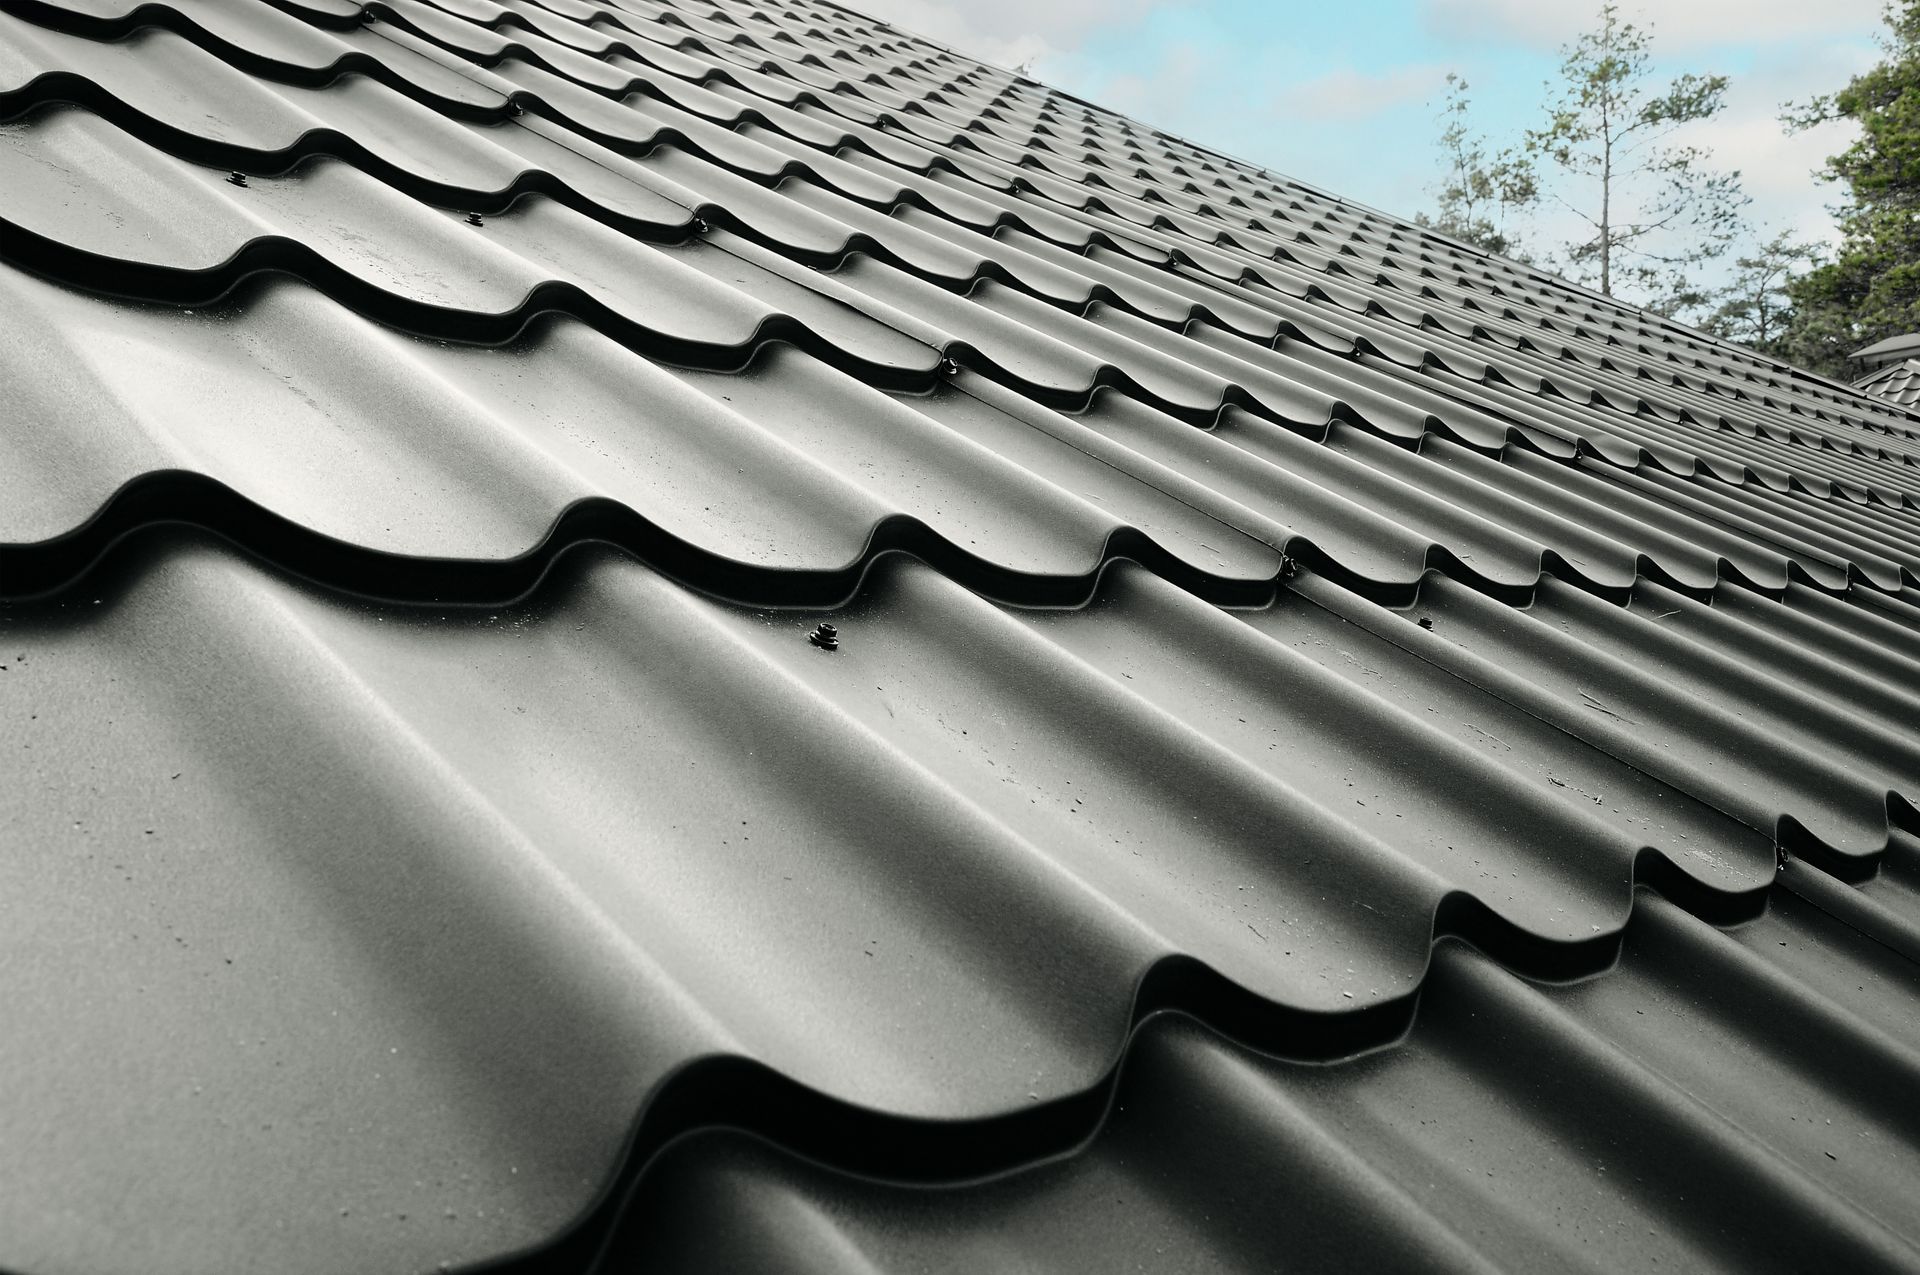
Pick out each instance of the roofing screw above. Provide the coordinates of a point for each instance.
(699, 226)
(1289, 567)
(1425, 621)
(475, 219)
(238, 179)
(826, 637)
(949, 368)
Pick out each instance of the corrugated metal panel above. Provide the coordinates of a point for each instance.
(435, 431)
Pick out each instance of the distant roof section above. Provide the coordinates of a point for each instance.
(1891, 350)
(1896, 382)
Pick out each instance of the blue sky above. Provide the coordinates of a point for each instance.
(1343, 95)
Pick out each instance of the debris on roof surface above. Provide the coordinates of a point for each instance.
(707, 636)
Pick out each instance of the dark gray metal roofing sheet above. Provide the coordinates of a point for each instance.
(1899, 383)
(1338, 749)
(1891, 345)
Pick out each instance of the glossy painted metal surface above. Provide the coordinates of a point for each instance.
(1899, 383)
(1331, 747)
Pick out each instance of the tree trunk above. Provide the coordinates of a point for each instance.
(1606, 205)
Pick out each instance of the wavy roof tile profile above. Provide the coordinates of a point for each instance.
(1897, 382)
(1339, 747)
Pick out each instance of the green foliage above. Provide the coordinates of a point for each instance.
(1656, 211)
(1871, 289)
(1479, 192)
(1756, 307)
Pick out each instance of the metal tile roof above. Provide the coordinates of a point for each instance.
(1340, 748)
(1899, 383)
(1893, 347)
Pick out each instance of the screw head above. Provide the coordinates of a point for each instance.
(237, 178)
(826, 637)
(475, 219)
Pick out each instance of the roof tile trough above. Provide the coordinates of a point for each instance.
(1340, 750)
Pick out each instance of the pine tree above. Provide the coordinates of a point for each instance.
(1480, 192)
(1756, 305)
(1871, 289)
(1656, 211)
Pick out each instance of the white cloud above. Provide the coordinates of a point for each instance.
(1777, 169)
(1167, 94)
(1347, 94)
(1006, 32)
(1677, 24)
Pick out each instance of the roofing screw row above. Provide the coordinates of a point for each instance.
(826, 637)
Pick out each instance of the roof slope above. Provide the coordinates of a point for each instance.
(1898, 383)
(1268, 634)
(1892, 349)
